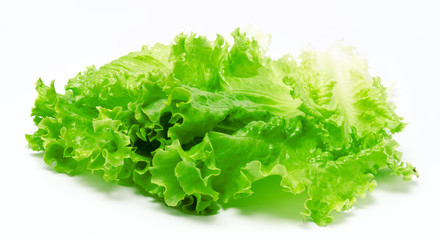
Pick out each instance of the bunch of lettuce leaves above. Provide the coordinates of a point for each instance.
(196, 122)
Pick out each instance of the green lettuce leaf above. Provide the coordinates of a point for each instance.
(197, 122)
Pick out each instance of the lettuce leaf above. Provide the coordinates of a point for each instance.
(197, 122)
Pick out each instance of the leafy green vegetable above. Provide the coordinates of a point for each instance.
(197, 122)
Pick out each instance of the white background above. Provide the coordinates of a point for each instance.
(58, 39)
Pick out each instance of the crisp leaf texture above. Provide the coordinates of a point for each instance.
(197, 122)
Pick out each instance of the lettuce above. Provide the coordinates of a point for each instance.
(197, 122)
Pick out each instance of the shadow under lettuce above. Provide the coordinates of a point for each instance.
(269, 200)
